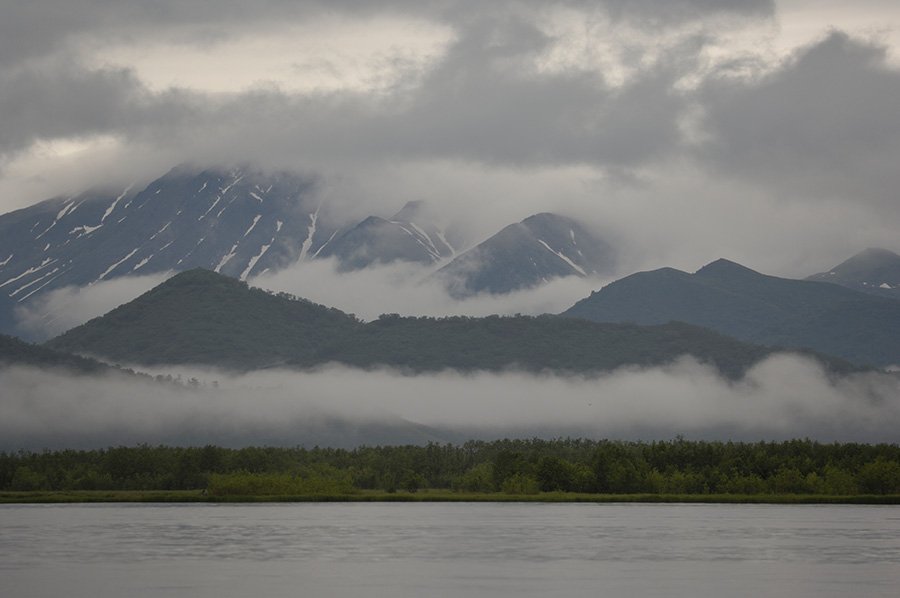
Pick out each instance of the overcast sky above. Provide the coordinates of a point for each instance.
(764, 131)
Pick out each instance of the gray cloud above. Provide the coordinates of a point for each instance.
(41, 27)
(477, 104)
(60, 310)
(65, 100)
(484, 132)
(783, 397)
(825, 124)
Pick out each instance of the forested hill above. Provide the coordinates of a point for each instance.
(17, 352)
(534, 344)
(202, 317)
(205, 318)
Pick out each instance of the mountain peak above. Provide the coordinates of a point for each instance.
(873, 256)
(873, 270)
(411, 211)
(526, 254)
(199, 276)
(199, 316)
(723, 267)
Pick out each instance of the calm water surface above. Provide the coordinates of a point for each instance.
(406, 550)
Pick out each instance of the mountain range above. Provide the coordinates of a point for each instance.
(243, 223)
(739, 302)
(201, 317)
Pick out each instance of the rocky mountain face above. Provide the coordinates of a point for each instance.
(875, 271)
(238, 222)
(526, 254)
(737, 301)
(242, 223)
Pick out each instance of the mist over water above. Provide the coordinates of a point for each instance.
(783, 397)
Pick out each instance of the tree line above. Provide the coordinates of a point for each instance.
(521, 466)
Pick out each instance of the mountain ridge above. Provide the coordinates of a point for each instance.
(754, 307)
(874, 270)
(525, 254)
(252, 329)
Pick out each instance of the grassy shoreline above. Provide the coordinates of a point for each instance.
(197, 496)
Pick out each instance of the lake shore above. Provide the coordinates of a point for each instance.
(198, 496)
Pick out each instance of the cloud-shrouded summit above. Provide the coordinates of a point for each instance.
(688, 130)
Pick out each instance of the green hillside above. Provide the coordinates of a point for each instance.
(534, 344)
(204, 318)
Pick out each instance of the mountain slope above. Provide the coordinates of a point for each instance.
(238, 222)
(875, 271)
(202, 317)
(522, 255)
(14, 351)
(740, 302)
(536, 344)
(408, 236)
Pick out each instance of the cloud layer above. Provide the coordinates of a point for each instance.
(782, 397)
(687, 117)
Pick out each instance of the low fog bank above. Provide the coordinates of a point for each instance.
(783, 397)
(410, 290)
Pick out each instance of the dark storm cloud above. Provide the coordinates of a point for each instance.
(826, 123)
(64, 100)
(482, 101)
(476, 104)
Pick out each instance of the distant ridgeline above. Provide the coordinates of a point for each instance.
(243, 222)
(204, 318)
(734, 300)
(15, 352)
(875, 271)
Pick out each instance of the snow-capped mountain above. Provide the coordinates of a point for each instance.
(242, 223)
(875, 271)
(237, 222)
(410, 235)
(536, 250)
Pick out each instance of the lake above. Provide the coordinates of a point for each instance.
(448, 549)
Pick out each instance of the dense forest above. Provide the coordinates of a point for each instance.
(507, 466)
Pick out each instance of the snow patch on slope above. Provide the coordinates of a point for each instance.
(256, 258)
(311, 230)
(115, 202)
(116, 265)
(564, 258)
